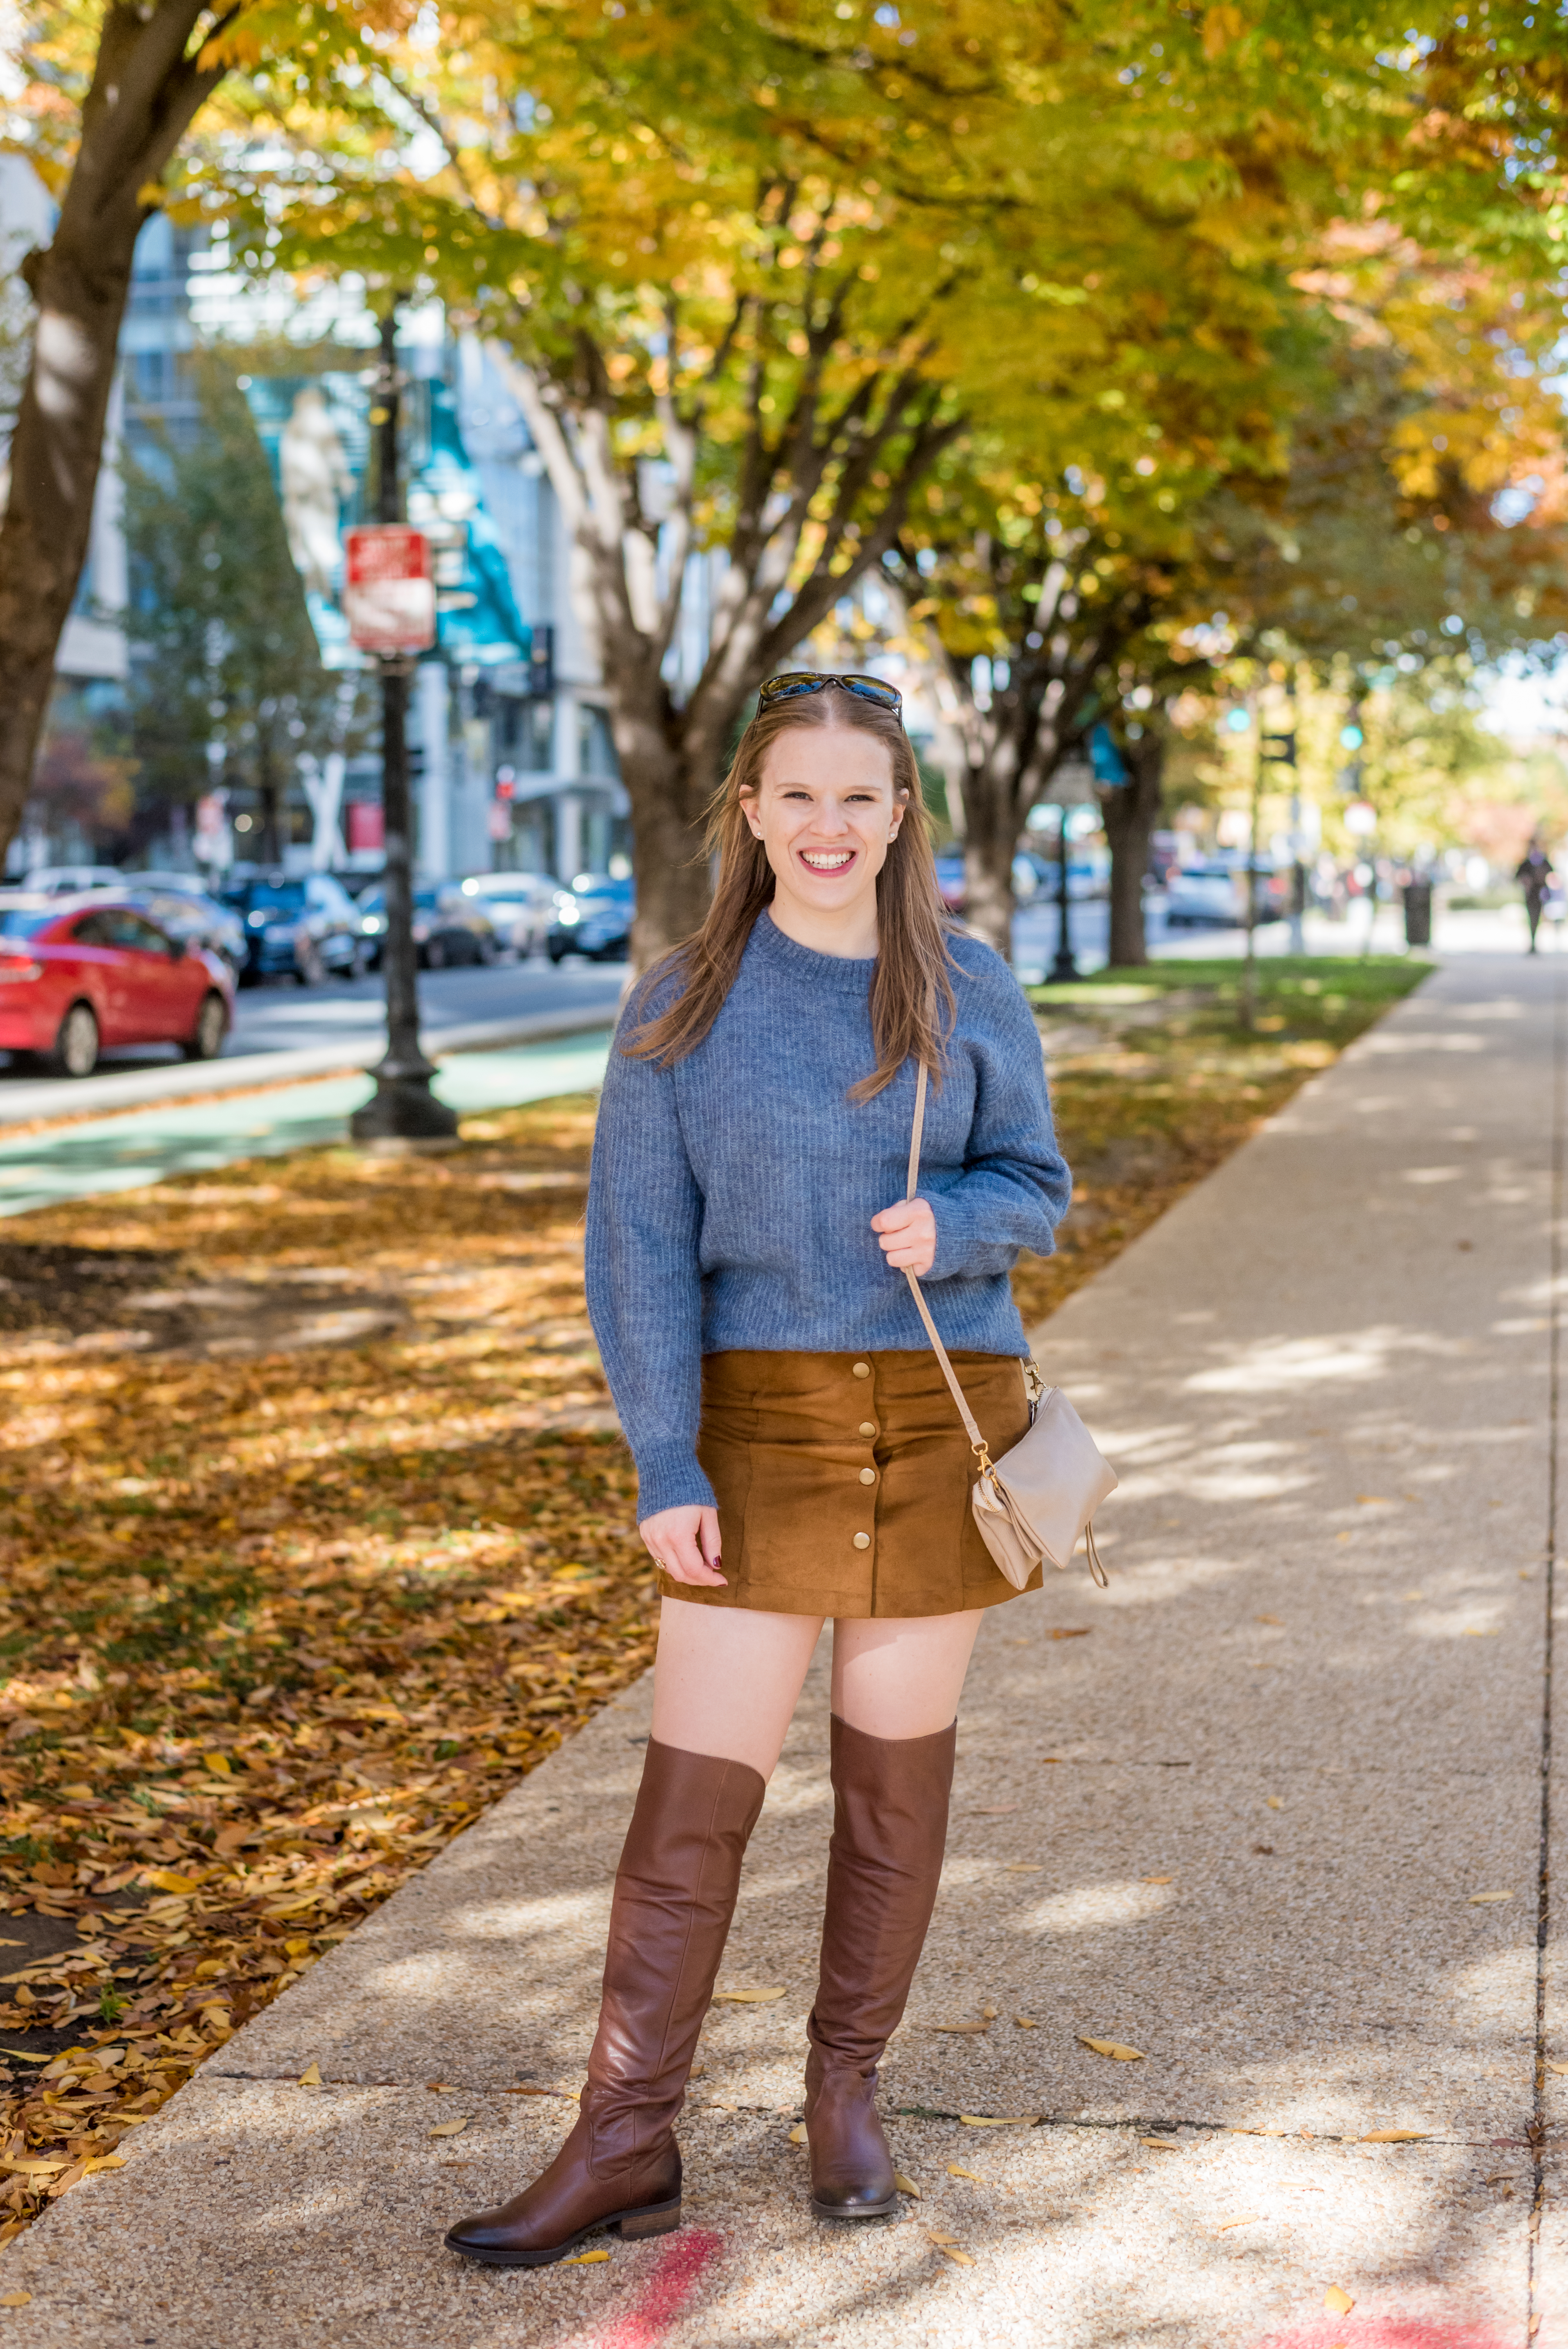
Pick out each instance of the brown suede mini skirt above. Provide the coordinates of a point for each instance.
(843, 1481)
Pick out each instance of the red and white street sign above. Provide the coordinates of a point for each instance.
(389, 594)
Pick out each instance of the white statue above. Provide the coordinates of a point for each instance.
(316, 477)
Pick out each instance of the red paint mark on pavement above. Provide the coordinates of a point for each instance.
(679, 2270)
(1355, 2332)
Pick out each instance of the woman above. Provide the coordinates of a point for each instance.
(798, 1454)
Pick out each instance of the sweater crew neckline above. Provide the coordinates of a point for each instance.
(851, 974)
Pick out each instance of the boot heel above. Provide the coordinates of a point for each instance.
(662, 2219)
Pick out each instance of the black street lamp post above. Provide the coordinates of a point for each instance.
(1064, 968)
(403, 1114)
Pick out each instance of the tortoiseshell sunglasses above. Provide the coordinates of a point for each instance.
(792, 683)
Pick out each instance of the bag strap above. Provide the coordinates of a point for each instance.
(977, 1441)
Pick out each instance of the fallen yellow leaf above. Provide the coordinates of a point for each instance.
(1083, 1634)
(1395, 2136)
(1274, 1801)
(750, 1997)
(798, 2134)
(583, 2259)
(999, 2120)
(1268, 1619)
(1159, 1879)
(311, 2076)
(945, 2244)
(1556, 2067)
(953, 2171)
(1023, 1867)
(1162, 2143)
(15, 2299)
(1374, 1500)
(961, 2027)
(449, 2129)
(168, 1881)
(1338, 2300)
(1025, 2022)
(1111, 2047)
(906, 2186)
(106, 2161)
(1484, 1900)
(1247, 2219)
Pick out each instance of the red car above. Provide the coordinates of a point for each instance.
(79, 976)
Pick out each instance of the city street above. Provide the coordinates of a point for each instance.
(539, 500)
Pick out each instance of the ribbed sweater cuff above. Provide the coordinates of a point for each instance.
(955, 1236)
(668, 1478)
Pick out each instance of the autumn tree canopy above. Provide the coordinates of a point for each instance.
(760, 280)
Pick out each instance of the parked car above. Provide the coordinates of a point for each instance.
(70, 880)
(449, 926)
(81, 973)
(1088, 874)
(521, 904)
(1215, 892)
(185, 911)
(593, 917)
(299, 929)
(1034, 878)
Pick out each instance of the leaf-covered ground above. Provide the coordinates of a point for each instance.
(316, 1533)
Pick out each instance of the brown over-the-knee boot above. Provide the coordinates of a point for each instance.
(674, 1894)
(890, 1827)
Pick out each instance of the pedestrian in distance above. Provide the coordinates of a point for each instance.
(798, 1456)
(1534, 877)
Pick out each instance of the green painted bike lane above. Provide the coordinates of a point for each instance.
(125, 1154)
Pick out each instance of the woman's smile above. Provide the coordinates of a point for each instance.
(827, 860)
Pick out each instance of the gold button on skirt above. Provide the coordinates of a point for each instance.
(843, 1481)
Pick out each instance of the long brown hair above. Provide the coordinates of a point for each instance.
(911, 1006)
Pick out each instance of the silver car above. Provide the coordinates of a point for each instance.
(179, 904)
(521, 904)
(70, 880)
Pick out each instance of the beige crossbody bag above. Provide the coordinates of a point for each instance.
(1036, 1502)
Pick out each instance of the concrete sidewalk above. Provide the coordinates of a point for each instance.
(1275, 1823)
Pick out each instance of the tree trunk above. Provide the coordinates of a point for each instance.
(54, 455)
(1130, 812)
(992, 838)
(143, 97)
(667, 803)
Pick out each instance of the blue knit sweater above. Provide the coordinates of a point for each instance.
(731, 1195)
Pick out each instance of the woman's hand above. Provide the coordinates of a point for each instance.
(908, 1234)
(684, 1542)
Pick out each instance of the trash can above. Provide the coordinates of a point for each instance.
(1418, 896)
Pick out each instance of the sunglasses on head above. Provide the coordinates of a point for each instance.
(792, 684)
